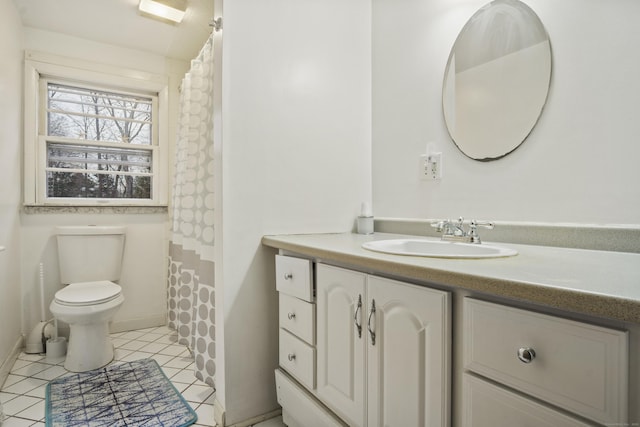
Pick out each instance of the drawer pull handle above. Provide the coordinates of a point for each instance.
(288, 276)
(291, 316)
(372, 333)
(526, 354)
(291, 357)
(356, 317)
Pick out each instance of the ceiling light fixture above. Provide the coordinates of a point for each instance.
(165, 10)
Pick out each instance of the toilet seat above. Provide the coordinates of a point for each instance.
(88, 293)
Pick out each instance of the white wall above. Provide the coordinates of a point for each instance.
(294, 158)
(580, 162)
(10, 175)
(145, 267)
(143, 271)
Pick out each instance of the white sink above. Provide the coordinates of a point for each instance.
(438, 248)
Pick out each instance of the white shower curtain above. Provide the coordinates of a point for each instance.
(191, 293)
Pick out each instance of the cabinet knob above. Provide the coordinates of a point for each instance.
(291, 357)
(291, 316)
(288, 276)
(526, 354)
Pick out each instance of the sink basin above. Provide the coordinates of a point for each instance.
(438, 248)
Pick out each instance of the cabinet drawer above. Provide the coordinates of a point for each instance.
(298, 317)
(577, 366)
(299, 408)
(294, 276)
(298, 358)
(487, 405)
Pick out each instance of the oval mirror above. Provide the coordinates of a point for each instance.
(497, 80)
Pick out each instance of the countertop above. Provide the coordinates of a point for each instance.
(599, 283)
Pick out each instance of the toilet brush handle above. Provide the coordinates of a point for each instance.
(43, 314)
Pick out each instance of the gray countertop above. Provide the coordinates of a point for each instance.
(599, 283)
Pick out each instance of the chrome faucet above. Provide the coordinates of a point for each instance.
(455, 232)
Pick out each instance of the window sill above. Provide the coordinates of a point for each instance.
(39, 209)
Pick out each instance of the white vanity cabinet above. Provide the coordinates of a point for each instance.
(574, 366)
(383, 349)
(548, 338)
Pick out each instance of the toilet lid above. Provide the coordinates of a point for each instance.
(88, 293)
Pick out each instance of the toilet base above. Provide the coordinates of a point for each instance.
(89, 347)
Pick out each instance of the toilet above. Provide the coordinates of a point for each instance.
(90, 259)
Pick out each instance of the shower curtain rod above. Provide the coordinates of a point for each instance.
(198, 57)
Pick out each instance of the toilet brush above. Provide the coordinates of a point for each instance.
(56, 346)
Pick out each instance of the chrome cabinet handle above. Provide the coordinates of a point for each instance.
(372, 333)
(288, 276)
(291, 357)
(291, 316)
(526, 354)
(355, 316)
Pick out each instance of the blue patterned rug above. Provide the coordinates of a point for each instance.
(129, 394)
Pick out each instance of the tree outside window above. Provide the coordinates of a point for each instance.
(98, 143)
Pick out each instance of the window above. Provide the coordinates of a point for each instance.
(93, 138)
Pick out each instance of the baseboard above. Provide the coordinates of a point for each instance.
(139, 323)
(246, 423)
(7, 364)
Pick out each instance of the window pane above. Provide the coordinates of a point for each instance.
(86, 171)
(101, 186)
(81, 156)
(98, 115)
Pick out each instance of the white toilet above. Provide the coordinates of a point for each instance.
(90, 257)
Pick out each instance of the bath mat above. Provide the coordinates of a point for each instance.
(129, 394)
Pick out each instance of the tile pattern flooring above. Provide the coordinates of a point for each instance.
(23, 393)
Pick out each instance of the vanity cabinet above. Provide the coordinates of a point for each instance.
(577, 367)
(515, 358)
(383, 349)
(360, 350)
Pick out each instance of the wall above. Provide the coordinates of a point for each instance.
(10, 191)
(294, 157)
(579, 164)
(143, 271)
(145, 265)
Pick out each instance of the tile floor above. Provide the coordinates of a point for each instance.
(23, 393)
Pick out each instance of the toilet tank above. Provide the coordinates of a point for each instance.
(90, 253)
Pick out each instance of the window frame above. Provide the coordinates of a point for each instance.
(40, 68)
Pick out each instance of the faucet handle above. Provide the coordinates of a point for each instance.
(439, 225)
(473, 229)
(486, 224)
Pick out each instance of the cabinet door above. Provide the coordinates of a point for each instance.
(409, 363)
(340, 346)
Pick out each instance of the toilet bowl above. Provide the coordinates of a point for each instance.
(90, 259)
(88, 307)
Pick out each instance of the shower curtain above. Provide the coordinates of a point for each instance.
(191, 293)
